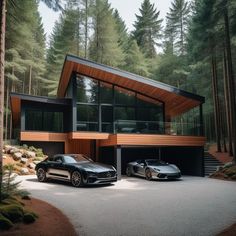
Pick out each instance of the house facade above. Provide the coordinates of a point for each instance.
(114, 117)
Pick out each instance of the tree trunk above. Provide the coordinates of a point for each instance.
(226, 97)
(216, 104)
(231, 84)
(86, 29)
(2, 63)
(7, 106)
(30, 79)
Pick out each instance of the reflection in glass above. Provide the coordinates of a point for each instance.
(43, 120)
(87, 117)
(107, 119)
(106, 93)
(87, 90)
(124, 96)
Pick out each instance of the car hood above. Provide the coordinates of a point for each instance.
(98, 167)
(166, 168)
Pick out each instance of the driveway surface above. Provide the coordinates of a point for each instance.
(134, 206)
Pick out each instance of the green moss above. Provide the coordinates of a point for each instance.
(29, 217)
(10, 201)
(12, 212)
(5, 223)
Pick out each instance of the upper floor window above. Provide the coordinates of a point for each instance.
(87, 90)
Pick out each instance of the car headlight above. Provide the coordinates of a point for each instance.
(156, 169)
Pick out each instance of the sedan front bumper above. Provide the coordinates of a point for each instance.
(96, 180)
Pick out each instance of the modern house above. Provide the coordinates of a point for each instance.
(114, 117)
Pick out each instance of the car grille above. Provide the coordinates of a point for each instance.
(106, 174)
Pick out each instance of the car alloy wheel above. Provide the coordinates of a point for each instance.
(128, 171)
(41, 174)
(76, 179)
(148, 174)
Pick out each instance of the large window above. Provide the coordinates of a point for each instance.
(107, 108)
(106, 93)
(124, 96)
(87, 90)
(40, 120)
(87, 117)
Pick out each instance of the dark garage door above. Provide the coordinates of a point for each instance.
(188, 159)
(49, 148)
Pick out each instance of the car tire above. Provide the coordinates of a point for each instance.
(41, 175)
(128, 171)
(148, 174)
(76, 179)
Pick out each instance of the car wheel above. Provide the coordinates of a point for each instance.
(128, 171)
(41, 174)
(76, 179)
(148, 174)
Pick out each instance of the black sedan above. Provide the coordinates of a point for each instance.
(153, 169)
(76, 168)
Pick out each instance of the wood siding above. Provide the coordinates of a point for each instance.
(153, 140)
(43, 136)
(80, 146)
(88, 135)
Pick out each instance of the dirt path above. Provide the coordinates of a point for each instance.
(51, 222)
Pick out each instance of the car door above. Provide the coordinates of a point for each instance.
(58, 168)
(141, 168)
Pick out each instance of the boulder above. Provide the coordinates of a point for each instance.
(7, 148)
(4, 157)
(24, 171)
(17, 156)
(31, 165)
(30, 154)
(23, 160)
(36, 162)
(13, 150)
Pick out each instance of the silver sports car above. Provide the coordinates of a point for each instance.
(153, 169)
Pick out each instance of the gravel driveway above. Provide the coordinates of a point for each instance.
(133, 206)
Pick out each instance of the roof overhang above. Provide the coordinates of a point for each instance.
(17, 98)
(176, 101)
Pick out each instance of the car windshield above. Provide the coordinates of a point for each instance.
(155, 163)
(73, 158)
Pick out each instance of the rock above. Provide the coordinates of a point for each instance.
(17, 156)
(30, 154)
(13, 150)
(31, 165)
(24, 171)
(7, 148)
(36, 162)
(4, 157)
(23, 160)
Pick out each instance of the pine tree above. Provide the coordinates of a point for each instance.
(65, 39)
(147, 30)
(104, 46)
(121, 30)
(135, 61)
(178, 20)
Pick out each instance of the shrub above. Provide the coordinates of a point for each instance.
(29, 217)
(10, 187)
(5, 223)
(12, 212)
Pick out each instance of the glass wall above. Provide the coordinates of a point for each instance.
(104, 107)
(40, 120)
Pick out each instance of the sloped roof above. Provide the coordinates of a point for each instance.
(176, 101)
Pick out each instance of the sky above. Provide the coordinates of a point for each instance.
(126, 8)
